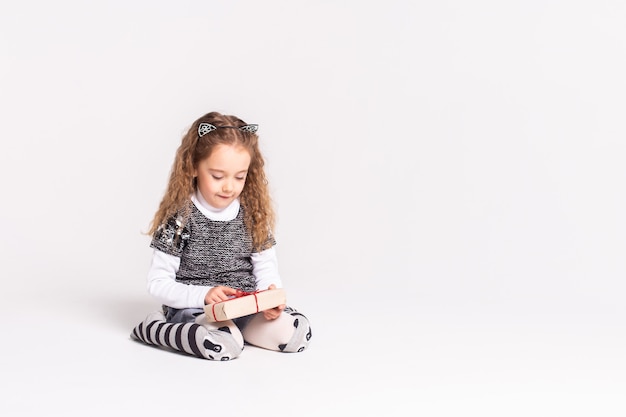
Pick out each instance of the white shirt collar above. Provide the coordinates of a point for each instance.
(225, 214)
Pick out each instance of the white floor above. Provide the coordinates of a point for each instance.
(70, 355)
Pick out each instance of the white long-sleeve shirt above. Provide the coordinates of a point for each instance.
(161, 279)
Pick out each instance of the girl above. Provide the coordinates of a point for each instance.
(212, 235)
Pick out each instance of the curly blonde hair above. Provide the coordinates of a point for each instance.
(255, 198)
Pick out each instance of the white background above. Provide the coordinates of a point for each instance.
(448, 177)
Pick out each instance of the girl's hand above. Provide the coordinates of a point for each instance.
(219, 293)
(273, 313)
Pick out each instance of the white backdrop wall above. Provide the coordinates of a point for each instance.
(460, 163)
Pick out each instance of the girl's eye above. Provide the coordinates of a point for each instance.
(241, 178)
(216, 177)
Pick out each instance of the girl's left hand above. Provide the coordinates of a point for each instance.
(273, 313)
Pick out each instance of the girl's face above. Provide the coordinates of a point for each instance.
(222, 175)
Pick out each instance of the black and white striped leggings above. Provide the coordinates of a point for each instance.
(188, 331)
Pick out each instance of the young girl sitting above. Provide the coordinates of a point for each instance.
(213, 237)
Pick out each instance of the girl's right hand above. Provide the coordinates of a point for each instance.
(219, 293)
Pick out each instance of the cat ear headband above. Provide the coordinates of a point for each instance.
(205, 128)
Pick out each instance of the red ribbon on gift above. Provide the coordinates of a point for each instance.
(238, 294)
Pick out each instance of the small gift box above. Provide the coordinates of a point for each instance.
(245, 303)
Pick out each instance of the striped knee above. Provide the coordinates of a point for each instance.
(191, 338)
